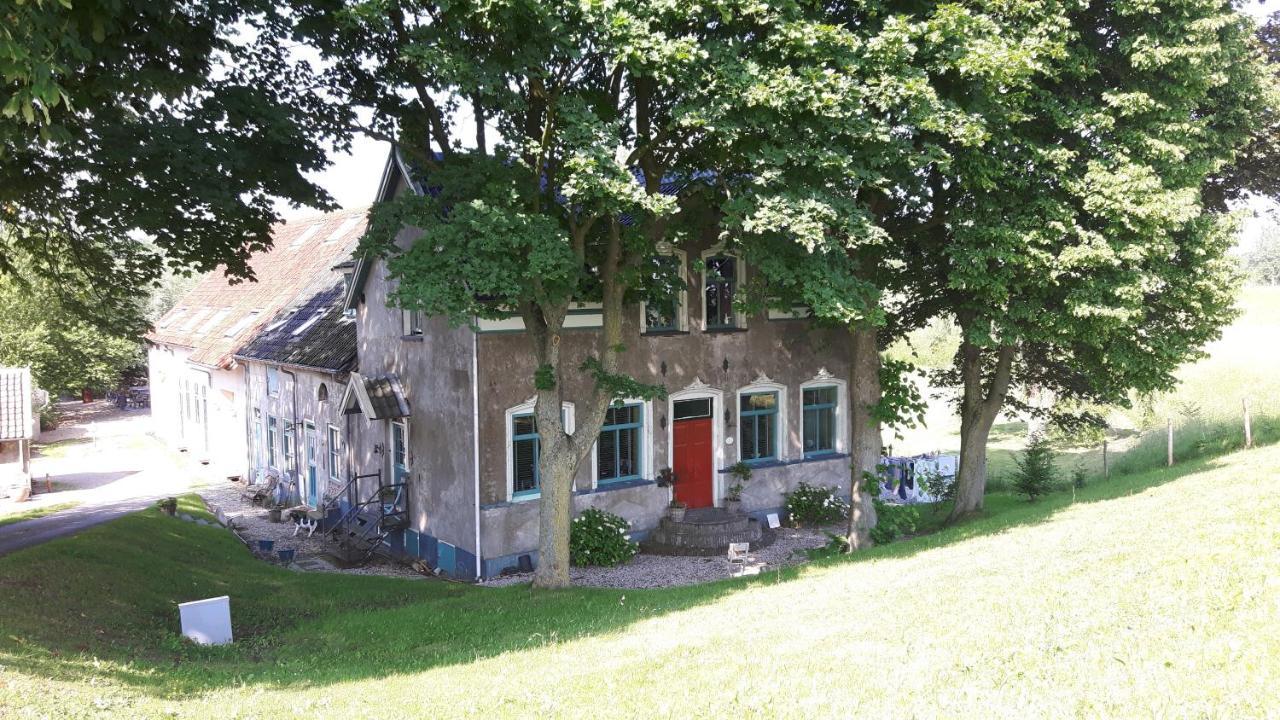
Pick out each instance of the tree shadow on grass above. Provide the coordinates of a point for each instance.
(102, 605)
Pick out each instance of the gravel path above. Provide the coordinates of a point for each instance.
(253, 524)
(657, 571)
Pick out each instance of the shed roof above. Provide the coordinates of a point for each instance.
(217, 317)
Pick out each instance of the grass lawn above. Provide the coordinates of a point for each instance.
(1152, 595)
(34, 513)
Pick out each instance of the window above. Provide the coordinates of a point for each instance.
(619, 449)
(523, 449)
(721, 279)
(819, 420)
(399, 451)
(213, 321)
(758, 414)
(271, 441)
(242, 324)
(288, 447)
(257, 436)
(524, 455)
(412, 322)
(315, 318)
(335, 453)
(666, 277)
(691, 409)
(273, 382)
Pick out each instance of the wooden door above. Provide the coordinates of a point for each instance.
(691, 439)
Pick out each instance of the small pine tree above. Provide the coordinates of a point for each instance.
(1035, 474)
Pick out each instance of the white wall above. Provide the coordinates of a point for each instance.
(212, 424)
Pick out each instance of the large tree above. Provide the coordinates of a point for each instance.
(599, 132)
(124, 120)
(1081, 252)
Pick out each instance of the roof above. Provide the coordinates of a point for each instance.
(379, 397)
(217, 318)
(314, 331)
(15, 403)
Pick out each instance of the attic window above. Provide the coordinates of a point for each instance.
(243, 323)
(322, 394)
(172, 318)
(304, 236)
(280, 323)
(214, 321)
(346, 227)
(306, 325)
(195, 319)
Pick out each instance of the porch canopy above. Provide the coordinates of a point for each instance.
(377, 397)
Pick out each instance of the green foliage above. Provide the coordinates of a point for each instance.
(893, 521)
(939, 486)
(1078, 477)
(597, 537)
(741, 474)
(182, 123)
(1262, 262)
(544, 378)
(66, 352)
(618, 386)
(901, 405)
(813, 506)
(50, 418)
(1035, 475)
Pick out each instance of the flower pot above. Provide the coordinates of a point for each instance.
(274, 514)
(676, 513)
(266, 545)
(733, 506)
(286, 556)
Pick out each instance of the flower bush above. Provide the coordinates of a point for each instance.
(814, 505)
(893, 521)
(600, 538)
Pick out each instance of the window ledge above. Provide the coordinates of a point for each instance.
(783, 463)
(663, 333)
(724, 331)
(616, 485)
(412, 338)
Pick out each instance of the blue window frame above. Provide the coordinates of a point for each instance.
(271, 441)
(524, 455)
(759, 426)
(618, 450)
(819, 420)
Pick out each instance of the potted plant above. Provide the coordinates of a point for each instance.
(666, 478)
(169, 506)
(274, 513)
(741, 474)
(676, 510)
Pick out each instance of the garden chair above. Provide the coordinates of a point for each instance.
(737, 556)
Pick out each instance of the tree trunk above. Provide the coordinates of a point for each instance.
(562, 453)
(979, 407)
(864, 395)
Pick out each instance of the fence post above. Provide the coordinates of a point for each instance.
(1248, 426)
(1106, 472)
(1170, 444)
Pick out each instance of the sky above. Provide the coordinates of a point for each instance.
(352, 178)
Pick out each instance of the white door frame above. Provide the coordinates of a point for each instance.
(698, 390)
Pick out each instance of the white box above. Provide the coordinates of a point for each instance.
(207, 622)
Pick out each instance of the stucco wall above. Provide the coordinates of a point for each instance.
(435, 371)
(785, 352)
(297, 402)
(222, 439)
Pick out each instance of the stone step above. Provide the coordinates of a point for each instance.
(706, 531)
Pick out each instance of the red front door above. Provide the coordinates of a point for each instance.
(692, 442)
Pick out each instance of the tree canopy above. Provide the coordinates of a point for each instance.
(130, 120)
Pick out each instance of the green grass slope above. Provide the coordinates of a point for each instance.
(1152, 595)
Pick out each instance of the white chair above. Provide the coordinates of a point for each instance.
(737, 555)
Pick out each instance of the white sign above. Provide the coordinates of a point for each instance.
(774, 523)
(207, 622)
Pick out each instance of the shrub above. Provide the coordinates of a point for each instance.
(600, 538)
(1035, 474)
(813, 505)
(741, 473)
(49, 417)
(940, 486)
(893, 521)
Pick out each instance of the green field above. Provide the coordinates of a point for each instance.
(1205, 406)
(1149, 595)
(33, 513)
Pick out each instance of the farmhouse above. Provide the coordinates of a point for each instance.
(199, 395)
(448, 411)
